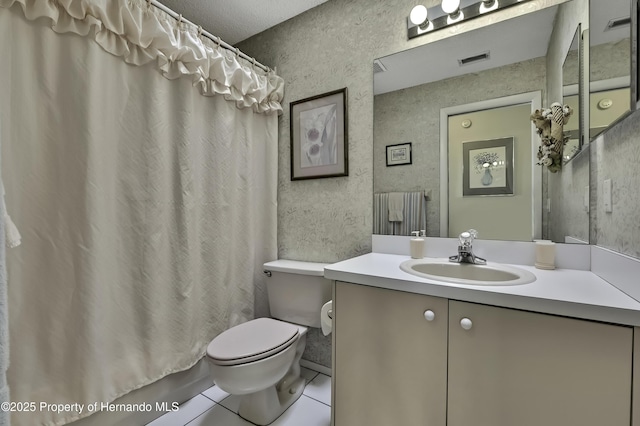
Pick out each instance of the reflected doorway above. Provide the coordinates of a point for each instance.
(492, 182)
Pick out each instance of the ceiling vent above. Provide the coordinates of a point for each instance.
(473, 59)
(618, 23)
(378, 66)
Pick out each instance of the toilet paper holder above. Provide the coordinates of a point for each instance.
(326, 318)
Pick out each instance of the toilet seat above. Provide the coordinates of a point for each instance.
(251, 341)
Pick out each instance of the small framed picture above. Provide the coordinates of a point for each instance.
(399, 154)
(319, 136)
(488, 167)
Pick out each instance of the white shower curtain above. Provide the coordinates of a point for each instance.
(146, 209)
(5, 415)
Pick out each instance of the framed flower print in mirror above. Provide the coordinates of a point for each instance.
(500, 60)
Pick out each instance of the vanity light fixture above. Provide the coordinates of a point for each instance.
(422, 20)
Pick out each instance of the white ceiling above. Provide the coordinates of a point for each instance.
(237, 20)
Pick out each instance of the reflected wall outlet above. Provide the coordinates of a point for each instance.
(606, 196)
(548, 204)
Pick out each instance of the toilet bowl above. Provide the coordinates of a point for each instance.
(259, 360)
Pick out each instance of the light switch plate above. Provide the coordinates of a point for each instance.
(606, 196)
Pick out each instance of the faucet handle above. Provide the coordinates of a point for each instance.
(467, 237)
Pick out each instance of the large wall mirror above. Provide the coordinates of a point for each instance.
(462, 105)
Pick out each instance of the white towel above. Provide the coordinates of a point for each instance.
(11, 233)
(396, 206)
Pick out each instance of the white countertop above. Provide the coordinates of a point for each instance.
(566, 292)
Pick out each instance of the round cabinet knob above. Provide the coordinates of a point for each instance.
(429, 315)
(466, 323)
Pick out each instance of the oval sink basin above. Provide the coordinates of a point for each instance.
(466, 273)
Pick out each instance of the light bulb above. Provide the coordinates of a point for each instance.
(418, 15)
(450, 6)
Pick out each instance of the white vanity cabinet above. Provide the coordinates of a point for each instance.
(472, 364)
(390, 362)
(510, 367)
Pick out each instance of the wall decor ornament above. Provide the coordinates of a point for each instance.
(549, 123)
(488, 167)
(399, 154)
(319, 136)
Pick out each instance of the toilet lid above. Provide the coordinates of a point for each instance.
(251, 341)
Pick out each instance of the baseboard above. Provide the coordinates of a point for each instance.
(315, 367)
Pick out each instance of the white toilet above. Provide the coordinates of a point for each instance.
(260, 359)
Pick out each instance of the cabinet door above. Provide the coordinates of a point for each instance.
(390, 362)
(526, 369)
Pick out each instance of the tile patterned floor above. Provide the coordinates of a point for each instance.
(215, 407)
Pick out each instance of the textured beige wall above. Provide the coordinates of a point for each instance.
(616, 156)
(610, 60)
(333, 46)
(327, 48)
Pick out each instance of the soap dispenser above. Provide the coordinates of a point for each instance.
(416, 245)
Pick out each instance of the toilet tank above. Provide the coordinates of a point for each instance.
(297, 290)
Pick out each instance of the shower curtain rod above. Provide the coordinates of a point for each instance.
(217, 40)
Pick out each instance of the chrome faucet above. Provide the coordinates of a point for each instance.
(465, 249)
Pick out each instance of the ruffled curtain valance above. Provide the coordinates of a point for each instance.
(140, 33)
